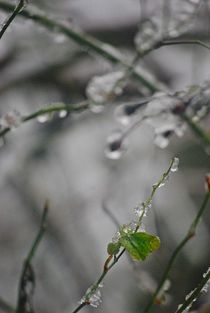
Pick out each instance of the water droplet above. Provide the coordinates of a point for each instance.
(124, 113)
(116, 145)
(43, 118)
(62, 113)
(60, 38)
(175, 165)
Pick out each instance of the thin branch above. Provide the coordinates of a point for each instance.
(112, 260)
(27, 271)
(190, 234)
(195, 293)
(50, 109)
(9, 20)
(83, 40)
(198, 131)
(6, 307)
(183, 42)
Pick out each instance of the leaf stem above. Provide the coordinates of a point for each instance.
(189, 235)
(9, 20)
(183, 42)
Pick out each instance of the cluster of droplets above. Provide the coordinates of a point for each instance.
(183, 13)
(206, 286)
(11, 120)
(93, 296)
(102, 88)
(151, 32)
(163, 112)
(46, 117)
(148, 35)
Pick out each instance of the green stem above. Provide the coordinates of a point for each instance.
(31, 254)
(9, 20)
(183, 42)
(83, 40)
(189, 235)
(50, 109)
(194, 295)
(198, 131)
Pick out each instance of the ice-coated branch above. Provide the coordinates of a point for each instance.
(190, 234)
(201, 287)
(83, 40)
(11, 120)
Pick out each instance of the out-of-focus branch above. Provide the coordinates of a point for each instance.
(9, 20)
(6, 307)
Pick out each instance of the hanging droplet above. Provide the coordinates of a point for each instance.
(43, 118)
(161, 141)
(175, 165)
(124, 113)
(63, 113)
(12, 120)
(115, 145)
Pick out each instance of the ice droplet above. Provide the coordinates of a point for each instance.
(175, 165)
(161, 141)
(62, 113)
(43, 118)
(115, 145)
(96, 108)
(116, 237)
(125, 112)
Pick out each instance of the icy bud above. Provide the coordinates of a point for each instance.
(175, 165)
(11, 120)
(161, 296)
(92, 296)
(102, 88)
(116, 237)
(141, 210)
(148, 36)
(115, 145)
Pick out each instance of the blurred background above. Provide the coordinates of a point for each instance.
(64, 160)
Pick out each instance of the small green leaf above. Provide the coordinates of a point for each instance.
(113, 248)
(140, 244)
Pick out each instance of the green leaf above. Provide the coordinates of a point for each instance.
(113, 248)
(140, 244)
